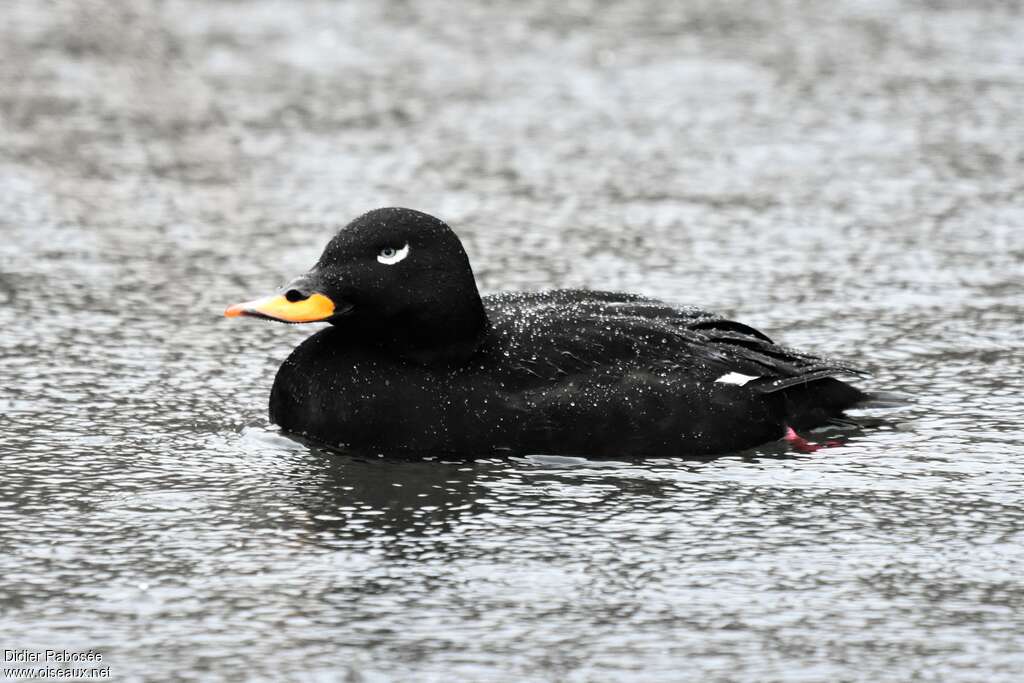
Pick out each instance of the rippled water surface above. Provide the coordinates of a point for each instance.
(846, 176)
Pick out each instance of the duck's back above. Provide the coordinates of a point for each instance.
(547, 335)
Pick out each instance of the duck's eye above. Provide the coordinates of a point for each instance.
(389, 256)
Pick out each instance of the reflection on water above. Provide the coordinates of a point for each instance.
(843, 176)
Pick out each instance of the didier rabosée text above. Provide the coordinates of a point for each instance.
(40, 656)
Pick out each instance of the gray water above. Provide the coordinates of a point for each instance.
(846, 176)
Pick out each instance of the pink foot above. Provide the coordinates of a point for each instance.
(802, 445)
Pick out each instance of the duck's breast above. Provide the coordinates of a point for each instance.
(341, 394)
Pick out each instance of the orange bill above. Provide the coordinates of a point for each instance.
(313, 309)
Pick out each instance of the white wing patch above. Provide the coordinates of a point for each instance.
(737, 378)
(394, 258)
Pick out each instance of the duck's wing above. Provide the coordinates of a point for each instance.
(753, 358)
(566, 332)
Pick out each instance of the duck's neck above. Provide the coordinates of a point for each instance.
(444, 336)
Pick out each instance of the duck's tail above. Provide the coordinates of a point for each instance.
(885, 400)
(826, 400)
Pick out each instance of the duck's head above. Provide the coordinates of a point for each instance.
(396, 273)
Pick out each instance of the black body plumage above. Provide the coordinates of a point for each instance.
(419, 362)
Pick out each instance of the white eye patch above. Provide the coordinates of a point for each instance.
(389, 256)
